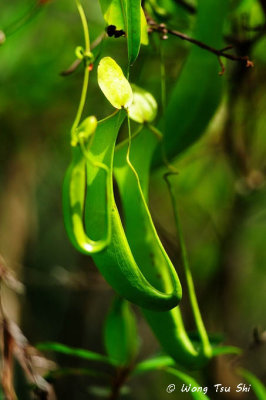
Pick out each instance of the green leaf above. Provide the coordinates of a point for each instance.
(188, 380)
(129, 16)
(198, 90)
(143, 107)
(219, 350)
(154, 363)
(257, 386)
(80, 353)
(113, 13)
(120, 333)
(144, 29)
(113, 83)
(133, 28)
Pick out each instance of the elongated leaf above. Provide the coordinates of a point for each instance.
(144, 29)
(133, 28)
(113, 83)
(188, 380)
(219, 350)
(257, 386)
(75, 352)
(120, 333)
(114, 13)
(198, 90)
(154, 363)
(143, 107)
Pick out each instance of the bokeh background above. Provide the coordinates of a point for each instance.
(220, 189)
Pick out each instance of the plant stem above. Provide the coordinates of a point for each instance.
(86, 71)
(190, 284)
(124, 142)
(85, 25)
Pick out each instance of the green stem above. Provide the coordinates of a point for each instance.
(85, 26)
(190, 284)
(172, 170)
(158, 134)
(124, 142)
(163, 103)
(188, 275)
(86, 71)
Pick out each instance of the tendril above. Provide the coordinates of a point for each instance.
(82, 53)
(173, 171)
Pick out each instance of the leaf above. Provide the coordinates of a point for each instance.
(113, 83)
(154, 363)
(143, 107)
(120, 333)
(257, 386)
(144, 29)
(75, 352)
(163, 363)
(219, 350)
(113, 13)
(188, 380)
(198, 90)
(128, 16)
(133, 28)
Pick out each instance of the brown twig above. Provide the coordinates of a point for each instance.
(119, 381)
(72, 68)
(220, 53)
(15, 345)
